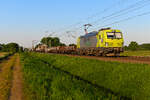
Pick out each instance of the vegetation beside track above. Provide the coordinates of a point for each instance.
(131, 80)
(136, 53)
(44, 82)
(5, 55)
(6, 69)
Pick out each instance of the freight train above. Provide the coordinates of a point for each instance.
(104, 42)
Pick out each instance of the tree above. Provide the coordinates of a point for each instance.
(51, 41)
(47, 41)
(55, 41)
(133, 46)
(126, 48)
(21, 49)
(10, 47)
(62, 44)
(0, 47)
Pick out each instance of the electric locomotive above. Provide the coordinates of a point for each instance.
(102, 43)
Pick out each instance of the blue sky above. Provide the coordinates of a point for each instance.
(22, 21)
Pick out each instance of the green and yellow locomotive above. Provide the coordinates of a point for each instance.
(102, 43)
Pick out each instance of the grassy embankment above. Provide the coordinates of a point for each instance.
(131, 80)
(43, 82)
(136, 53)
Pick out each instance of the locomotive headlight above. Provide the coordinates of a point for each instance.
(106, 44)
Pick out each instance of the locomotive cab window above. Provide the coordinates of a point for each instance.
(118, 35)
(115, 35)
(110, 35)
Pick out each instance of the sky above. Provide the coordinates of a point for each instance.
(23, 21)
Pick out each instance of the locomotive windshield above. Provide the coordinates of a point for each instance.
(118, 35)
(114, 35)
(110, 35)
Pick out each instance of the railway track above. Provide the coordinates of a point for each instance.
(125, 59)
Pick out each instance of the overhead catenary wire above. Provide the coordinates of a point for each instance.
(133, 7)
(92, 16)
(119, 13)
(122, 13)
(115, 14)
(126, 19)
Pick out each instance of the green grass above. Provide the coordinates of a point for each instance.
(43, 82)
(131, 80)
(136, 53)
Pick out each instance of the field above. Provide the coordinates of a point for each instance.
(136, 53)
(120, 79)
(44, 82)
(58, 77)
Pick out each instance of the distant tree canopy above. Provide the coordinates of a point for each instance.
(1, 47)
(52, 41)
(135, 46)
(11, 47)
(145, 46)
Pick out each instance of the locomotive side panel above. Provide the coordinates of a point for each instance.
(88, 42)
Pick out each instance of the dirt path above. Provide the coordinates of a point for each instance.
(16, 90)
(2, 54)
(6, 70)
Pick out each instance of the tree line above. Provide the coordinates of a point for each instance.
(11, 47)
(55, 41)
(52, 42)
(133, 46)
